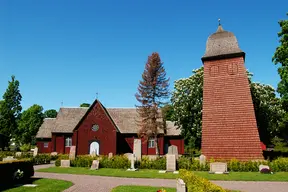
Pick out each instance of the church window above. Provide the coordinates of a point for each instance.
(151, 143)
(68, 142)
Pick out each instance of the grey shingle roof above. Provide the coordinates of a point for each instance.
(68, 118)
(221, 43)
(46, 127)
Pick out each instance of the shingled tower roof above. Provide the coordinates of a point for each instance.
(222, 44)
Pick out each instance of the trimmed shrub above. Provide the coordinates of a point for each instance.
(280, 164)
(82, 161)
(41, 159)
(196, 183)
(16, 171)
(116, 162)
(145, 163)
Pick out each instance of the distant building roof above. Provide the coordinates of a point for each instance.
(46, 127)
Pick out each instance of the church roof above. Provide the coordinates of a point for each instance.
(46, 127)
(68, 118)
(221, 43)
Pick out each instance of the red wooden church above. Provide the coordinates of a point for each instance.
(103, 130)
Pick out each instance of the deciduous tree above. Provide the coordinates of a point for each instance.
(10, 109)
(31, 120)
(152, 92)
(50, 113)
(85, 105)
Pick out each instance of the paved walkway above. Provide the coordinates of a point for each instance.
(105, 184)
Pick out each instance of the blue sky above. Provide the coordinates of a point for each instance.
(66, 51)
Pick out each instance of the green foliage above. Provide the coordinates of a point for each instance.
(167, 112)
(196, 183)
(25, 147)
(280, 144)
(187, 103)
(85, 105)
(10, 109)
(158, 163)
(28, 126)
(116, 162)
(191, 164)
(83, 161)
(41, 159)
(51, 113)
(60, 157)
(280, 164)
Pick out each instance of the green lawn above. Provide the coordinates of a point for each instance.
(44, 185)
(233, 176)
(132, 188)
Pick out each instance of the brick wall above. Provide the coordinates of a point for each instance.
(229, 127)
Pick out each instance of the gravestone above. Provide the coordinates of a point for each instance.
(137, 149)
(95, 165)
(72, 152)
(132, 160)
(170, 163)
(35, 152)
(202, 160)
(54, 153)
(263, 167)
(65, 163)
(173, 150)
(180, 186)
(218, 168)
(18, 154)
(110, 155)
(9, 158)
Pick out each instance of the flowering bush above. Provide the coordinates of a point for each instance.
(18, 175)
(266, 171)
(161, 190)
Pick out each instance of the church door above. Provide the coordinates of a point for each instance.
(94, 147)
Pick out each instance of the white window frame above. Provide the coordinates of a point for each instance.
(46, 144)
(68, 141)
(151, 143)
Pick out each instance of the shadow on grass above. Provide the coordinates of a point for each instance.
(7, 186)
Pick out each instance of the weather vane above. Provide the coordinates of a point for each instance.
(219, 22)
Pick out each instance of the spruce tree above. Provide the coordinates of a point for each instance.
(152, 92)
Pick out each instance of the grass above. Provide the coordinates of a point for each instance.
(44, 185)
(133, 188)
(144, 173)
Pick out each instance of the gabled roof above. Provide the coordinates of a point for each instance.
(68, 119)
(45, 129)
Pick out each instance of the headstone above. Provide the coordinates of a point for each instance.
(263, 167)
(35, 152)
(18, 154)
(173, 150)
(170, 162)
(72, 152)
(54, 153)
(95, 165)
(132, 160)
(137, 149)
(202, 160)
(65, 163)
(110, 155)
(180, 186)
(9, 158)
(218, 168)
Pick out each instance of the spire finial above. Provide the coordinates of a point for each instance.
(219, 21)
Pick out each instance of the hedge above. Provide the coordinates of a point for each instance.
(196, 183)
(122, 162)
(37, 160)
(9, 168)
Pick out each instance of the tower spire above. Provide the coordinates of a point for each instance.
(220, 28)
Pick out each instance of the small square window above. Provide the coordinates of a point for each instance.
(68, 142)
(46, 144)
(151, 143)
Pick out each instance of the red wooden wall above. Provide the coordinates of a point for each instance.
(40, 145)
(106, 135)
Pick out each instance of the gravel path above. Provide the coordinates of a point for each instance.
(105, 184)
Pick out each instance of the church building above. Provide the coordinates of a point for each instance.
(101, 130)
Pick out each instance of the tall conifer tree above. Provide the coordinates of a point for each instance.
(152, 92)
